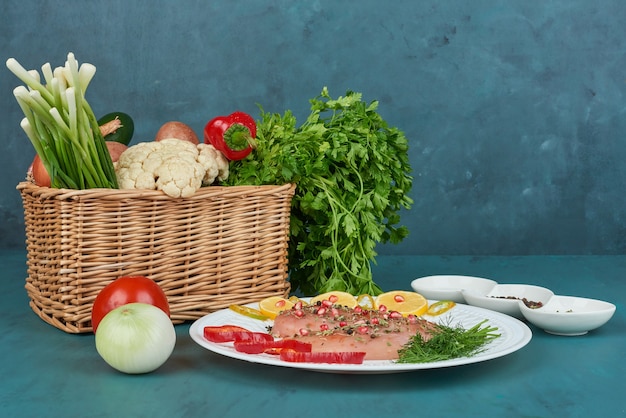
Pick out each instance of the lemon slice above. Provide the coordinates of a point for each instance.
(404, 302)
(336, 298)
(274, 305)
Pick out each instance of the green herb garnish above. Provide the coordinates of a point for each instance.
(352, 175)
(447, 343)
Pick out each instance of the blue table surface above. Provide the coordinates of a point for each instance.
(47, 372)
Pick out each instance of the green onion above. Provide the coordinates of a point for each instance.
(62, 126)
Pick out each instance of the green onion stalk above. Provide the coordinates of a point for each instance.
(62, 126)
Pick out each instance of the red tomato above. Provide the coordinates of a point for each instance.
(40, 174)
(126, 290)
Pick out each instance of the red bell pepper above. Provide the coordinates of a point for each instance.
(233, 135)
(272, 347)
(343, 357)
(230, 333)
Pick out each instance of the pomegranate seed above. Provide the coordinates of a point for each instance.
(385, 316)
(298, 305)
(324, 327)
(362, 330)
(333, 298)
(358, 309)
(398, 298)
(375, 321)
(412, 319)
(382, 308)
(327, 303)
(299, 313)
(342, 323)
(395, 315)
(321, 311)
(280, 304)
(334, 312)
(304, 331)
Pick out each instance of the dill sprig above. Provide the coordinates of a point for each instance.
(447, 343)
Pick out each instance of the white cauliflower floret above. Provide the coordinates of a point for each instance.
(179, 176)
(214, 163)
(178, 168)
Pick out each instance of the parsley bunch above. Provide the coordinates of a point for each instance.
(352, 174)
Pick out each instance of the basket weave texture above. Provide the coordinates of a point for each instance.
(222, 246)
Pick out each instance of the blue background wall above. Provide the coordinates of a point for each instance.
(515, 111)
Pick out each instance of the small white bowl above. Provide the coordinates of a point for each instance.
(448, 287)
(569, 315)
(506, 298)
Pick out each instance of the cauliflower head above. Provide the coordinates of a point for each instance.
(178, 168)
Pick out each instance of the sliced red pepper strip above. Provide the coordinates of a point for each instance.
(272, 347)
(222, 333)
(233, 135)
(338, 357)
(230, 333)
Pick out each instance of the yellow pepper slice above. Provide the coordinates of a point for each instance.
(296, 299)
(249, 312)
(440, 307)
(366, 301)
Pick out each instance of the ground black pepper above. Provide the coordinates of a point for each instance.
(530, 303)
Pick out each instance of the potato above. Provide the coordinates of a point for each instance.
(179, 130)
(116, 149)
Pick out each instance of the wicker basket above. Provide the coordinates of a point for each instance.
(223, 245)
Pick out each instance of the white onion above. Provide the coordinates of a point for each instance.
(135, 338)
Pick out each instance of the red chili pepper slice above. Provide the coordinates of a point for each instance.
(338, 357)
(229, 333)
(233, 135)
(272, 347)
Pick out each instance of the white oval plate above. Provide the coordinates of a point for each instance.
(514, 335)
